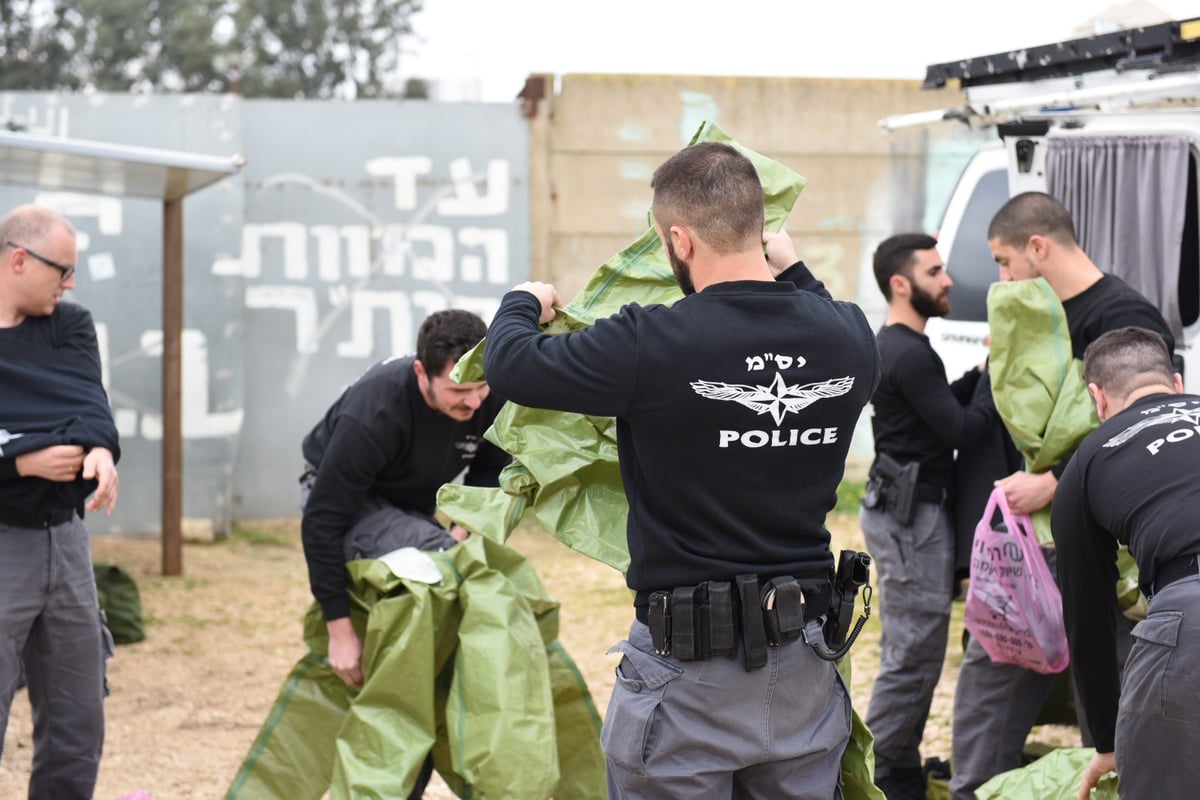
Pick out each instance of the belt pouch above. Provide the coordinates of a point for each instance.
(658, 619)
(754, 637)
(683, 626)
(721, 641)
(783, 610)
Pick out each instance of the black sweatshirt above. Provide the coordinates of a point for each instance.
(1133, 481)
(735, 410)
(51, 394)
(917, 415)
(381, 438)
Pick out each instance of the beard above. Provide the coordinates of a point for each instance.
(683, 273)
(927, 305)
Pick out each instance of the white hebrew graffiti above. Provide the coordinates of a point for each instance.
(300, 300)
(467, 202)
(198, 421)
(403, 172)
(494, 242)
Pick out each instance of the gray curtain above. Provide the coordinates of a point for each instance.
(1127, 195)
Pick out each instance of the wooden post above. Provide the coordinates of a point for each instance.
(172, 392)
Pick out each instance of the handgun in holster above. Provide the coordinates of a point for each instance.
(853, 573)
(894, 487)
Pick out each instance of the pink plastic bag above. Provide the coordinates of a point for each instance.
(1013, 606)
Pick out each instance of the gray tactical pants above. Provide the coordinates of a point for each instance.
(996, 706)
(50, 619)
(710, 730)
(1158, 725)
(915, 569)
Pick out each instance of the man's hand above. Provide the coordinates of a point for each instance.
(781, 253)
(60, 463)
(345, 652)
(98, 464)
(1100, 765)
(458, 533)
(546, 294)
(1027, 492)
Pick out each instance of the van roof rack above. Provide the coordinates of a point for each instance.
(1165, 47)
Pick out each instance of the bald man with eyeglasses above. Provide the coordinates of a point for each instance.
(58, 454)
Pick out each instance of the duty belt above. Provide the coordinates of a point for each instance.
(1175, 570)
(693, 623)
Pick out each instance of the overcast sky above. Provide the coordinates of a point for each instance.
(484, 49)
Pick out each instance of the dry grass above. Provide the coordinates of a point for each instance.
(187, 702)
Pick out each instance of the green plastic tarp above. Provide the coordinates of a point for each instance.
(1040, 394)
(469, 666)
(565, 472)
(1054, 776)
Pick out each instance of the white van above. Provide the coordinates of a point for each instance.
(1109, 124)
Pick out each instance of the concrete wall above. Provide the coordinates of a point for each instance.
(349, 224)
(352, 221)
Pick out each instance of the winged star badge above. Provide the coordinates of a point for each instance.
(1173, 415)
(778, 399)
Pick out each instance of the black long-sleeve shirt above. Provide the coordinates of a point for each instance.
(380, 438)
(51, 394)
(1133, 481)
(735, 409)
(918, 415)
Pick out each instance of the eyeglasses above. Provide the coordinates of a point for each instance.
(66, 271)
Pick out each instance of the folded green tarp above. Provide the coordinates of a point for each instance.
(469, 666)
(1040, 394)
(1054, 776)
(565, 472)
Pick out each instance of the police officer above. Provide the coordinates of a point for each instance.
(996, 705)
(1133, 482)
(735, 408)
(919, 419)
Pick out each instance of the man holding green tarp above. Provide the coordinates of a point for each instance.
(1052, 302)
(734, 412)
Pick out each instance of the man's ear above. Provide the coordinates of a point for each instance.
(419, 369)
(1101, 400)
(1178, 383)
(682, 241)
(1038, 245)
(900, 285)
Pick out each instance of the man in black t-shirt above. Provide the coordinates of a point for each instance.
(1133, 481)
(734, 409)
(996, 705)
(918, 421)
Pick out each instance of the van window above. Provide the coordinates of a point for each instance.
(970, 261)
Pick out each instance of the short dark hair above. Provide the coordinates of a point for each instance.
(894, 256)
(1029, 214)
(1126, 359)
(714, 190)
(445, 336)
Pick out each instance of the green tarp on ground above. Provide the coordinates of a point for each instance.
(565, 471)
(1054, 776)
(510, 717)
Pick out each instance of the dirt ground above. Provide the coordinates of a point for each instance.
(187, 703)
